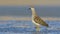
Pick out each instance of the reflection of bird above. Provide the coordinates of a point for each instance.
(37, 20)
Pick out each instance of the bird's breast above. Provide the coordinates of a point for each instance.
(35, 22)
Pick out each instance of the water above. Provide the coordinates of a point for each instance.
(27, 27)
(44, 11)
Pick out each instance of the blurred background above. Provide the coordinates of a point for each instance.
(16, 18)
(44, 8)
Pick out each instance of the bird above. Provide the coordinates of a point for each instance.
(37, 20)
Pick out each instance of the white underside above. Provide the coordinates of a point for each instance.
(35, 22)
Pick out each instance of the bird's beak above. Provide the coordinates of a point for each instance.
(29, 8)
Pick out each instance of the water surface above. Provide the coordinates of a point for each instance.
(27, 27)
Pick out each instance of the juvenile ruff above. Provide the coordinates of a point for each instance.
(37, 20)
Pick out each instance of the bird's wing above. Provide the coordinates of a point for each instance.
(38, 20)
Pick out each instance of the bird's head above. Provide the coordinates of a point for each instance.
(32, 8)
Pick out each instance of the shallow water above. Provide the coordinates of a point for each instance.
(27, 27)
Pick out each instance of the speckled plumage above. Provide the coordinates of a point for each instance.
(38, 20)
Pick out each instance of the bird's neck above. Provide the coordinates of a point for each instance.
(33, 12)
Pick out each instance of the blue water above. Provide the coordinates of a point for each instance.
(27, 27)
(44, 11)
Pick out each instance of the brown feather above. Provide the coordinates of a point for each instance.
(38, 20)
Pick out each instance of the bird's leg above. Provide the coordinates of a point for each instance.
(37, 28)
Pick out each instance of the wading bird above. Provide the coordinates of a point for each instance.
(37, 20)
